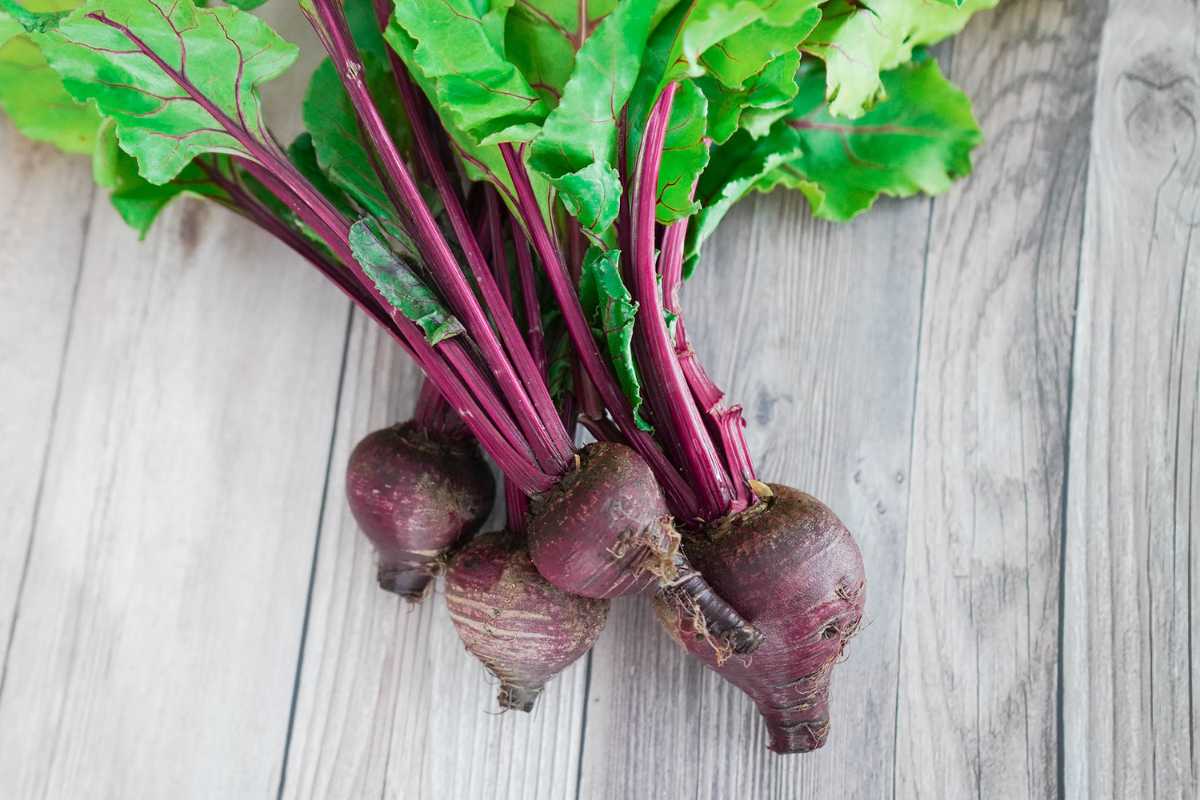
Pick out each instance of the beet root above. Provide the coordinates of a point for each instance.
(605, 531)
(414, 494)
(524, 629)
(793, 569)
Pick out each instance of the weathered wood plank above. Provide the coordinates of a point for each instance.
(1134, 495)
(43, 234)
(390, 704)
(814, 328)
(155, 651)
(978, 657)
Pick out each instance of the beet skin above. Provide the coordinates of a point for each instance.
(523, 628)
(414, 494)
(793, 570)
(604, 530)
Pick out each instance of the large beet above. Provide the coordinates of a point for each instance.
(605, 531)
(415, 493)
(794, 571)
(523, 628)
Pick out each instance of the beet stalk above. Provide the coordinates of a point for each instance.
(523, 628)
(794, 570)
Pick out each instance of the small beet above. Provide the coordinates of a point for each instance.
(414, 494)
(793, 569)
(604, 531)
(523, 628)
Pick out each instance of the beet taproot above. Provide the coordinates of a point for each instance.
(414, 494)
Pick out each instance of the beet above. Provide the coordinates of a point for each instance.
(604, 531)
(524, 629)
(414, 493)
(791, 567)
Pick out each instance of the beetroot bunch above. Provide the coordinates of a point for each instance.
(515, 193)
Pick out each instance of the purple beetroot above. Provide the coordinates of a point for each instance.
(791, 567)
(414, 493)
(604, 531)
(523, 628)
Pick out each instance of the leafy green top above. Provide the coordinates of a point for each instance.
(169, 76)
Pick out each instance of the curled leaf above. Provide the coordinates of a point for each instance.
(613, 313)
(400, 285)
(860, 40)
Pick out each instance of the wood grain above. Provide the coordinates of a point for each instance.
(998, 391)
(43, 234)
(814, 328)
(155, 649)
(389, 703)
(976, 712)
(1134, 496)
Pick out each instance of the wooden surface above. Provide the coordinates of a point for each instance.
(998, 390)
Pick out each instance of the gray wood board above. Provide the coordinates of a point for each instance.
(1129, 669)
(161, 607)
(978, 655)
(43, 234)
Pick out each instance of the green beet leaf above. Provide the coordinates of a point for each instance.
(302, 152)
(481, 162)
(735, 169)
(137, 201)
(740, 53)
(858, 41)
(459, 48)
(742, 56)
(399, 285)
(685, 153)
(105, 53)
(32, 94)
(33, 97)
(918, 140)
(612, 314)
(576, 149)
(541, 37)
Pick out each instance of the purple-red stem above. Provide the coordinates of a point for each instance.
(433, 413)
(681, 495)
(252, 209)
(495, 242)
(415, 108)
(534, 334)
(590, 402)
(516, 507)
(549, 442)
(448, 364)
(668, 392)
(726, 421)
